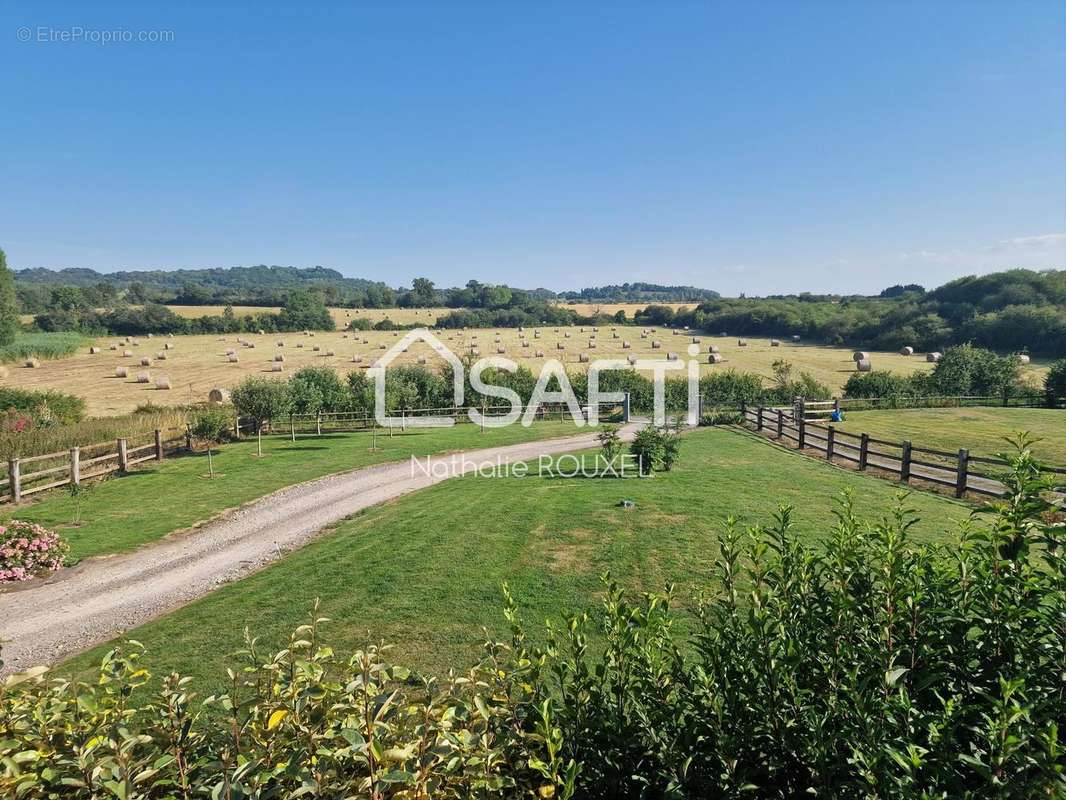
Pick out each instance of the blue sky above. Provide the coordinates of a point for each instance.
(759, 148)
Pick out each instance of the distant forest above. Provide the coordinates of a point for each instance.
(1013, 311)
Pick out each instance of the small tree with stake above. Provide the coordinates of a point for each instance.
(261, 400)
(210, 427)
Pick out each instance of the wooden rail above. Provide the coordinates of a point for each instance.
(903, 459)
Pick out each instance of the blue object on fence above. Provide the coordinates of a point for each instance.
(837, 416)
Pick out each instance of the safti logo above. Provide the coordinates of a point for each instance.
(552, 369)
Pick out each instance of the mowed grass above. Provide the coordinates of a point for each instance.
(196, 364)
(980, 430)
(424, 572)
(155, 498)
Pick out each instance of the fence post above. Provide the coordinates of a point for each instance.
(158, 445)
(237, 427)
(318, 423)
(830, 438)
(758, 418)
(962, 472)
(802, 427)
(864, 450)
(75, 465)
(625, 407)
(15, 479)
(780, 423)
(292, 428)
(123, 462)
(188, 438)
(403, 420)
(905, 463)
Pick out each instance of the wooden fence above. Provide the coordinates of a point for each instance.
(959, 471)
(28, 476)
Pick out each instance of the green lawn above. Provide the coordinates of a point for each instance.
(981, 430)
(424, 571)
(155, 499)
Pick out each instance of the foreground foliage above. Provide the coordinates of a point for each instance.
(865, 667)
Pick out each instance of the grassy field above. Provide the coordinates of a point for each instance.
(196, 364)
(41, 345)
(980, 430)
(424, 571)
(341, 316)
(155, 499)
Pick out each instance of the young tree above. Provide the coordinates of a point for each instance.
(610, 444)
(9, 312)
(261, 400)
(1055, 382)
(210, 426)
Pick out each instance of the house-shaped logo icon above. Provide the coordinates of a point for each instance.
(380, 366)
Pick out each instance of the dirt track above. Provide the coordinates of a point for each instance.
(103, 597)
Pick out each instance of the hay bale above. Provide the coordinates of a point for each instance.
(644, 335)
(501, 350)
(161, 356)
(1023, 358)
(560, 346)
(162, 382)
(497, 340)
(279, 357)
(796, 338)
(671, 356)
(233, 359)
(614, 335)
(632, 359)
(695, 339)
(315, 349)
(932, 358)
(146, 362)
(168, 345)
(121, 372)
(567, 334)
(626, 345)
(330, 353)
(279, 343)
(775, 343)
(357, 359)
(276, 366)
(94, 350)
(231, 352)
(906, 351)
(113, 347)
(262, 332)
(32, 363)
(656, 344)
(149, 336)
(742, 342)
(127, 354)
(592, 344)
(421, 359)
(539, 354)
(218, 395)
(715, 358)
(536, 334)
(712, 349)
(583, 358)
(863, 365)
(474, 351)
(250, 345)
(301, 344)
(860, 355)
(525, 344)
(144, 377)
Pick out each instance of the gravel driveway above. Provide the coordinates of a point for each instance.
(102, 597)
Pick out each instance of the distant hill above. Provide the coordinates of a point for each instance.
(251, 279)
(640, 293)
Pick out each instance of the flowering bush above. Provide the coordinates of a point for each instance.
(28, 550)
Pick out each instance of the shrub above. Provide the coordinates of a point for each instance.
(649, 445)
(27, 551)
(610, 444)
(45, 408)
(1055, 382)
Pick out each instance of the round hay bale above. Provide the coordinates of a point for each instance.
(583, 358)
(113, 347)
(632, 359)
(906, 351)
(149, 336)
(539, 354)
(560, 346)
(279, 357)
(592, 344)
(1023, 358)
(127, 354)
(299, 344)
(566, 335)
(796, 338)
(382, 346)
(231, 352)
(366, 341)
(474, 351)
(614, 336)
(421, 359)
(276, 366)
(357, 359)
(330, 353)
(695, 339)
(162, 382)
(279, 343)
(94, 350)
(536, 334)
(233, 359)
(656, 344)
(715, 358)
(775, 343)
(626, 345)
(161, 355)
(146, 362)
(671, 356)
(742, 342)
(262, 332)
(250, 345)
(525, 344)
(863, 365)
(860, 355)
(712, 349)
(315, 349)
(644, 335)
(168, 345)
(144, 377)
(121, 372)
(32, 363)
(932, 358)
(496, 340)
(218, 395)
(501, 350)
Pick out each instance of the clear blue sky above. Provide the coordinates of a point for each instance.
(766, 147)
